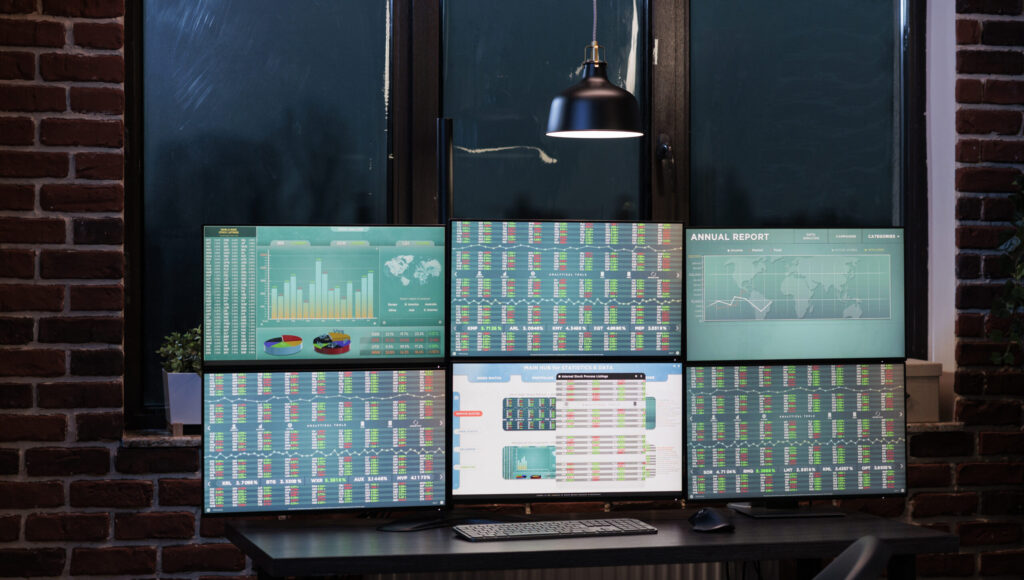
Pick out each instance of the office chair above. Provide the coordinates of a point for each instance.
(862, 560)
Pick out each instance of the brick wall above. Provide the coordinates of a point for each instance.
(971, 480)
(73, 500)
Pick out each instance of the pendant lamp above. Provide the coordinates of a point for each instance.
(594, 108)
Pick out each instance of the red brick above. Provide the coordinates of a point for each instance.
(17, 263)
(970, 91)
(98, 231)
(58, 66)
(1002, 151)
(31, 362)
(106, 362)
(81, 329)
(64, 527)
(81, 264)
(990, 473)
(97, 298)
(99, 165)
(32, 561)
(112, 493)
(99, 426)
(974, 412)
(1008, 563)
(967, 31)
(1002, 502)
(113, 561)
(17, 131)
(941, 444)
(84, 8)
(1001, 442)
(984, 121)
(981, 237)
(97, 100)
(32, 230)
(10, 462)
(928, 475)
(968, 266)
(79, 395)
(33, 427)
(54, 461)
(970, 325)
(10, 528)
(997, 62)
(154, 525)
(997, 208)
(882, 507)
(968, 208)
(1000, 92)
(14, 297)
(16, 196)
(977, 353)
(943, 504)
(33, 164)
(989, 533)
(22, 32)
(1003, 33)
(16, 330)
(968, 151)
(99, 35)
(15, 396)
(204, 557)
(33, 98)
(977, 295)
(83, 132)
(157, 460)
(1008, 7)
(17, 6)
(81, 198)
(1005, 382)
(985, 179)
(945, 565)
(181, 492)
(995, 267)
(213, 527)
(27, 495)
(17, 65)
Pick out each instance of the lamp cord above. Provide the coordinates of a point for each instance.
(595, 22)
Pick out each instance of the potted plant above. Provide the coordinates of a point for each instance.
(181, 358)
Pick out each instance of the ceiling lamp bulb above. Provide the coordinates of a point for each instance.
(594, 108)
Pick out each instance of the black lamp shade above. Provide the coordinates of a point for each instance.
(594, 108)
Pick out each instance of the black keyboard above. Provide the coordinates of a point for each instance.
(553, 529)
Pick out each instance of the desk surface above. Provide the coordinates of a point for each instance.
(284, 548)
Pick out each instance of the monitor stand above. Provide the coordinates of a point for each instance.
(782, 509)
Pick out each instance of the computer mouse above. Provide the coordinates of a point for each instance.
(711, 520)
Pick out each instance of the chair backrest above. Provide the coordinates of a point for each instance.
(862, 560)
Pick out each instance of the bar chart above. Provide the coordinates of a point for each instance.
(317, 298)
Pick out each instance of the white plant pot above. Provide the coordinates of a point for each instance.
(183, 393)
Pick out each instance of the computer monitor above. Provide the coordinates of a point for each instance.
(322, 295)
(794, 294)
(543, 288)
(323, 440)
(563, 430)
(758, 432)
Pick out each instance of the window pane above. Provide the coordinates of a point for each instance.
(792, 113)
(259, 113)
(503, 63)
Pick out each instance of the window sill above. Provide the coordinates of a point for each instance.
(159, 439)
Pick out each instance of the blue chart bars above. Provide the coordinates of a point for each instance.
(522, 289)
(795, 430)
(279, 441)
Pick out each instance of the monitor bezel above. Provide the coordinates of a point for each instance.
(257, 364)
(481, 357)
(428, 510)
(784, 360)
(797, 497)
(466, 499)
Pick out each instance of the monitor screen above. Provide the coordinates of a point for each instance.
(794, 294)
(801, 430)
(538, 288)
(540, 430)
(319, 440)
(322, 294)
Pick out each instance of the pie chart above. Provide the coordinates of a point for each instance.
(284, 345)
(336, 342)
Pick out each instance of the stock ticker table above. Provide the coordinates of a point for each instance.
(323, 547)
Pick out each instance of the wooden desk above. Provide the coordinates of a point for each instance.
(304, 548)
